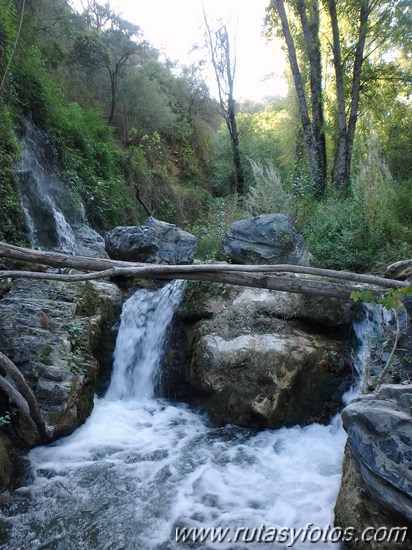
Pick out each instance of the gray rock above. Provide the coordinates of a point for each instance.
(315, 309)
(277, 379)
(54, 332)
(379, 430)
(253, 367)
(265, 239)
(89, 242)
(399, 270)
(153, 242)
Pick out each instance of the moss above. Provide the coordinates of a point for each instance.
(87, 305)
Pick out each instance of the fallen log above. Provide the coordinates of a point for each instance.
(274, 277)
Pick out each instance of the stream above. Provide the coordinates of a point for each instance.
(142, 466)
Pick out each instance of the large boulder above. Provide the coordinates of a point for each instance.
(265, 239)
(376, 488)
(89, 242)
(153, 242)
(254, 362)
(53, 332)
(399, 270)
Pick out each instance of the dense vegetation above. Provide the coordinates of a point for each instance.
(120, 119)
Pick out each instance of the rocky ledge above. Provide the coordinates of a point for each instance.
(58, 335)
(376, 488)
(265, 358)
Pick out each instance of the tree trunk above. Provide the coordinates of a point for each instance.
(356, 84)
(22, 396)
(225, 78)
(273, 277)
(310, 27)
(339, 170)
(234, 136)
(300, 90)
(113, 89)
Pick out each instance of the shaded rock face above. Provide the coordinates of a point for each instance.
(153, 242)
(89, 242)
(253, 367)
(379, 458)
(52, 331)
(265, 239)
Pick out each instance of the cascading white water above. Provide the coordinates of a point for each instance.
(144, 321)
(53, 218)
(36, 186)
(140, 466)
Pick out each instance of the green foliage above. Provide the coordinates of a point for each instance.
(73, 363)
(167, 140)
(11, 215)
(390, 300)
(75, 331)
(361, 229)
(221, 165)
(210, 231)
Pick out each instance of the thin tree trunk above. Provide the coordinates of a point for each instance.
(310, 27)
(225, 78)
(113, 86)
(234, 135)
(300, 90)
(339, 171)
(356, 84)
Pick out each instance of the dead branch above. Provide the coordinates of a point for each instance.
(22, 396)
(388, 362)
(16, 398)
(275, 277)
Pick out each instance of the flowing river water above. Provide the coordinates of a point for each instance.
(142, 466)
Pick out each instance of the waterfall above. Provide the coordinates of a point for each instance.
(141, 467)
(143, 326)
(39, 187)
(54, 219)
(369, 330)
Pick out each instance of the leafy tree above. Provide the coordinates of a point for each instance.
(107, 43)
(349, 35)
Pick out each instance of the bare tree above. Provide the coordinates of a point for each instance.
(225, 71)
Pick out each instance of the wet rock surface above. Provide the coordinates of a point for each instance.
(376, 488)
(379, 428)
(89, 242)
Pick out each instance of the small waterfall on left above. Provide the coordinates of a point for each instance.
(39, 186)
(54, 219)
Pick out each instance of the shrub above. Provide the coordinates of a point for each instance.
(364, 229)
(267, 194)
